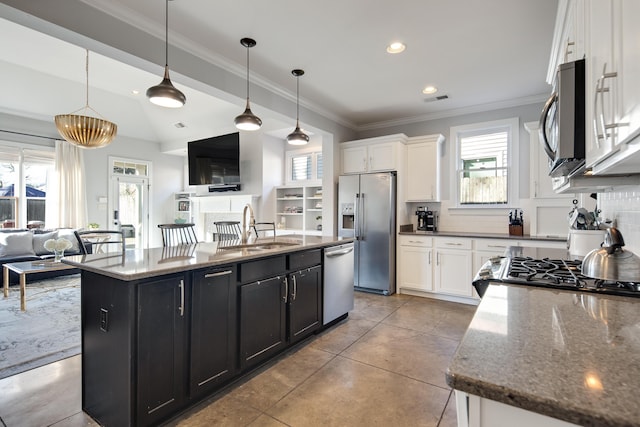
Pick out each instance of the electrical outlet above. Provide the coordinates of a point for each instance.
(104, 320)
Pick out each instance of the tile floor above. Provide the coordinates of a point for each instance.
(382, 366)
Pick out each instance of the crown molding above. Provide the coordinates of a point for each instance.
(516, 102)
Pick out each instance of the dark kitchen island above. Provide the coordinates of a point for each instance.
(164, 328)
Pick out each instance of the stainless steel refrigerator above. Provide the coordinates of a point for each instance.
(367, 211)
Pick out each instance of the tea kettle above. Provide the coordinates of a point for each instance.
(611, 262)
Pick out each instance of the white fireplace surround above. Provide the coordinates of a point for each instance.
(209, 209)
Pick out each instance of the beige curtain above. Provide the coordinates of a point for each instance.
(69, 191)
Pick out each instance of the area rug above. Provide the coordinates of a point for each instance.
(48, 331)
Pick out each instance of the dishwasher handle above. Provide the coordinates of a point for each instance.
(338, 252)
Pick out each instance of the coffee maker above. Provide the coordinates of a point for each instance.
(427, 220)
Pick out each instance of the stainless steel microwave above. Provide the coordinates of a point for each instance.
(562, 123)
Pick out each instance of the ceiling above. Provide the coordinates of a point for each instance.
(482, 54)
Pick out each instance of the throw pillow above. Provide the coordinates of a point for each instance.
(39, 239)
(67, 233)
(19, 243)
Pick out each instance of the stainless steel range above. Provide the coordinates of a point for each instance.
(548, 273)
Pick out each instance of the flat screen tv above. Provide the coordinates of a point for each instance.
(215, 161)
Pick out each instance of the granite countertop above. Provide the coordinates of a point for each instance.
(143, 263)
(568, 355)
(482, 235)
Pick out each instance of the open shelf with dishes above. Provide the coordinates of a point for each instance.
(299, 209)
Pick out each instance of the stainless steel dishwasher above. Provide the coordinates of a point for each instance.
(338, 282)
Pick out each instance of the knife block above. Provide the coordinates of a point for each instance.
(515, 230)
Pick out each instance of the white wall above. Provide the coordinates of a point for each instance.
(167, 178)
(272, 175)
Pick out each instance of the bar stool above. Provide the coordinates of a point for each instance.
(178, 234)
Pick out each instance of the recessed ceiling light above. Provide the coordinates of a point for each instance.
(428, 90)
(135, 91)
(396, 47)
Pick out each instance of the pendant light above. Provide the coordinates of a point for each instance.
(248, 120)
(297, 137)
(82, 130)
(165, 94)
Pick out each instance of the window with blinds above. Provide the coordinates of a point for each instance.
(303, 167)
(484, 154)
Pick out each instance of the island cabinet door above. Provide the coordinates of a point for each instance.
(161, 373)
(262, 319)
(213, 329)
(305, 302)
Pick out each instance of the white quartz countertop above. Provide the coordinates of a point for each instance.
(143, 263)
(569, 355)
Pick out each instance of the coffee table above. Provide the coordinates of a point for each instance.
(28, 267)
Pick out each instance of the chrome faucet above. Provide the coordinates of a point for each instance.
(246, 230)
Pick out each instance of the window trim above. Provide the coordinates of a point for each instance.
(25, 152)
(313, 152)
(512, 126)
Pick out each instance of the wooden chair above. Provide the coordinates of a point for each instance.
(227, 230)
(178, 234)
(102, 241)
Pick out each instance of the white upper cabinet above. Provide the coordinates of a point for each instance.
(423, 168)
(372, 154)
(627, 60)
(568, 40)
(601, 81)
(613, 86)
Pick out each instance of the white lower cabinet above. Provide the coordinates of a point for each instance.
(453, 266)
(476, 411)
(444, 267)
(415, 261)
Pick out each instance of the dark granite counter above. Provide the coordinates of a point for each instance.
(144, 263)
(569, 355)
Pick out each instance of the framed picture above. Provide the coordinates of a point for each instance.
(183, 205)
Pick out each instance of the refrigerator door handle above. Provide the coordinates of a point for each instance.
(356, 216)
(361, 222)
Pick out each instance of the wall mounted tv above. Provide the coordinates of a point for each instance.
(215, 161)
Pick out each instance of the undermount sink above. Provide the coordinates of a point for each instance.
(257, 246)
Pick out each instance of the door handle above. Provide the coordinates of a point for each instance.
(286, 290)
(295, 288)
(339, 252)
(544, 140)
(181, 308)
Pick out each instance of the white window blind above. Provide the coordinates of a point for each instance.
(484, 159)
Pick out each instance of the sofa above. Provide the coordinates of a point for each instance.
(19, 245)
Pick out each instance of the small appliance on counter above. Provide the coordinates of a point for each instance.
(427, 220)
(516, 223)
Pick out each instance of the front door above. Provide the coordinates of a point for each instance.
(129, 201)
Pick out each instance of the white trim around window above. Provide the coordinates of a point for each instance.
(512, 126)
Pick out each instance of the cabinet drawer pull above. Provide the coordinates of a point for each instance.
(181, 308)
(496, 246)
(218, 274)
(453, 244)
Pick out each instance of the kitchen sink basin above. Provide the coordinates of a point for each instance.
(258, 246)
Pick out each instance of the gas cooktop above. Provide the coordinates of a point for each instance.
(547, 273)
